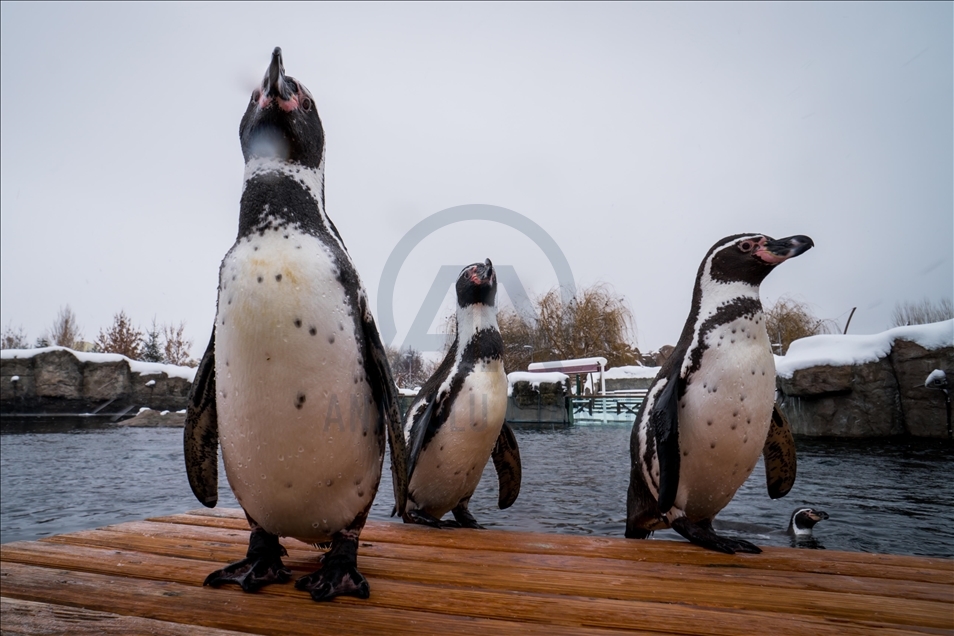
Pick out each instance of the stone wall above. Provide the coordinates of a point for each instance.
(878, 399)
(56, 381)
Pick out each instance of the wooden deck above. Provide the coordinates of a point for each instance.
(145, 577)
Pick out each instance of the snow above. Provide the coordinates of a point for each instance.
(936, 376)
(536, 379)
(151, 383)
(409, 392)
(844, 350)
(15, 378)
(136, 366)
(622, 373)
(143, 410)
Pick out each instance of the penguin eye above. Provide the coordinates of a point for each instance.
(746, 246)
(256, 95)
(306, 104)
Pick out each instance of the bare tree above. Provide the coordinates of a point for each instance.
(921, 313)
(788, 320)
(595, 323)
(122, 337)
(519, 338)
(65, 331)
(409, 367)
(177, 346)
(14, 338)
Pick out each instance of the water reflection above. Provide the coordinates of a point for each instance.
(883, 496)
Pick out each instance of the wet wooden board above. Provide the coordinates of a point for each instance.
(146, 577)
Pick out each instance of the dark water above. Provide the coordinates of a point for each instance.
(883, 496)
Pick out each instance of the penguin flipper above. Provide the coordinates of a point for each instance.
(506, 456)
(780, 457)
(201, 435)
(379, 371)
(418, 431)
(664, 418)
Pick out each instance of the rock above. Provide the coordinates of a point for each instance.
(56, 381)
(849, 401)
(160, 391)
(22, 369)
(155, 419)
(876, 399)
(105, 380)
(58, 375)
(818, 381)
(925, 413)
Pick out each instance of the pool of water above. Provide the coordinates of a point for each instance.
(883, 495)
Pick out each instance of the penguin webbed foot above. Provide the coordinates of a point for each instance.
(703, 535)
(421, 518)
(261, 566)
(338, 574)
(465, 519)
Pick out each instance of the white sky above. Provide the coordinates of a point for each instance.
(636, 135)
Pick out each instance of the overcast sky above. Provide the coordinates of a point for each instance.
(635, 135)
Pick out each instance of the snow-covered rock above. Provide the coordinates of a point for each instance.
(867, 385)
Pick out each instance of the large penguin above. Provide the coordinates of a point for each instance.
(711, 410)
(295, 382)
(457, 421)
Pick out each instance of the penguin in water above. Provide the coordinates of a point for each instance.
(803, 520)
(711, 410)
(457, 421)
(295, 382)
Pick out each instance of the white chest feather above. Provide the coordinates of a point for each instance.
(449, 468)
(296, 422)
(724, 416)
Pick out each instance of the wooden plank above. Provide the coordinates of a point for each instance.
(446, 599)
(30, 617)
(235, 610)
(773, 559)
(615, 547)
(637, 586)
(199, 547)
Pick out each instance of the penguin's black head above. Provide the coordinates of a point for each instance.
(477, 283)
(281, 121)
(804, 519)
(750, 257)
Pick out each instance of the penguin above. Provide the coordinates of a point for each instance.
(294, 385)
(456, 423)
(803, 520)
(711, 409)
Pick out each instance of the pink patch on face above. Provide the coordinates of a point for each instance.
(290, 105)
(287, 106)
(769, 257)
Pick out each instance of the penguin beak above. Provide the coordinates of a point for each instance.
(275, 83)
(488, 270)
(775, 251)
(818, 515)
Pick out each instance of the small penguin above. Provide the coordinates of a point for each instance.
(711, 410)
(457, 421)
(295, 382)
(803, 520)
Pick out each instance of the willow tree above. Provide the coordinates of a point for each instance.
(788, 320)
(596, 322)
